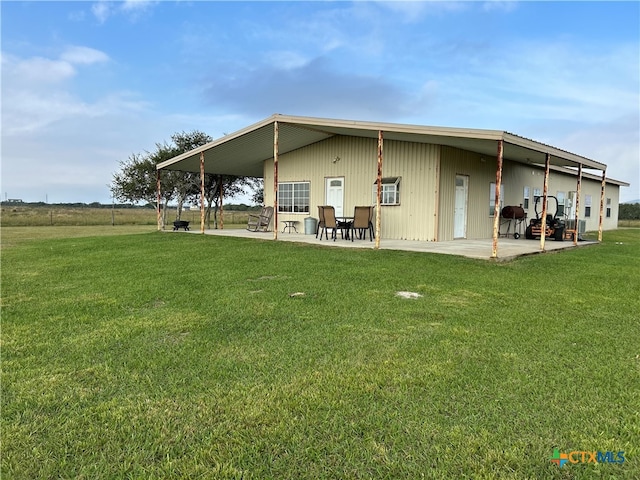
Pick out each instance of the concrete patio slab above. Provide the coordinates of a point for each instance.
(508, 248)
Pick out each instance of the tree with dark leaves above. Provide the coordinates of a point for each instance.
(136, 180)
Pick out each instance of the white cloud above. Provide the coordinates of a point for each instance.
(83, 55)
(137, 5)
(101, 10)
(499, 5)
(104, 9)
(37, 91)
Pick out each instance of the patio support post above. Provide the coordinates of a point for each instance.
(201, 192)
(545, 190)
(578, 189)
(604, 181)
(158, 199)
(436, 214)
(496, 207)
(275, 180)
(221, 193)
(379, 189)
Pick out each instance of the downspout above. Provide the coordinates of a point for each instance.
(158, 198)
(275, 180)
(379, 189)
(578, 189)
(201, 192)
(604, 181)
(496, 206)
(545, 189)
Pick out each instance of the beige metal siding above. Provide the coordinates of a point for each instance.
(427, 187)
(416, 163)
(481, 172)
(516, 176)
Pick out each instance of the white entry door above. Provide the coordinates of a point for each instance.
(334, 194)
(460, 208)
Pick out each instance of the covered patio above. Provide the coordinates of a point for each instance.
(244, 153)
(478, 248)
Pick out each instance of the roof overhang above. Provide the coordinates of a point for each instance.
(243, 153)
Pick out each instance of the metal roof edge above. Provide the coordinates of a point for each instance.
(469, 133)
(392, 127)
(218, 141)
(557, 152)
(571, 171)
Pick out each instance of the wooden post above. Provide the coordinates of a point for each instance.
(158, 199)
(604, 181)
(496, 207)
(577, 216)
(221, 193)
(436, 213)
(275, 180)
(379, 188)
(545, 189)
(202, 200)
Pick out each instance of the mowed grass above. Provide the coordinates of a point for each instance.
(186, 356)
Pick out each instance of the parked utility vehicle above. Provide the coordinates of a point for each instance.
(553, 226)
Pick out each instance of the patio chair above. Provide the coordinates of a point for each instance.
(330, 223)
(261, 221)
(320, 219)
(362, 222)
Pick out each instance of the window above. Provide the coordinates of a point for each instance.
(390, 191)
(526, 198)
(537, 193)
(492, 198)
(560, 197)
(587, 206)
(293, 197)
(608, 208)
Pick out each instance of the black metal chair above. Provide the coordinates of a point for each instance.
(330, 223)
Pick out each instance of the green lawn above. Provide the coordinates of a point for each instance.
(185, 356)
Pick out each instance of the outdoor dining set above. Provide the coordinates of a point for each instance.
(359, 224)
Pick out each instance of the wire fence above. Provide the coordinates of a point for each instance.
(15, 216)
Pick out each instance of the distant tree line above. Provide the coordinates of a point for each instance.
(629, 211)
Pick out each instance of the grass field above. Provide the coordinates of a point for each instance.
(161, 356)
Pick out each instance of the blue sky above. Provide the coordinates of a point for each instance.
(87, 84)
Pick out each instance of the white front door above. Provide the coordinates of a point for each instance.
(334, 194)
(460, 209)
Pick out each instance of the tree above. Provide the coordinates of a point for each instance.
(136, 180)
(629, 211)
(231, 186)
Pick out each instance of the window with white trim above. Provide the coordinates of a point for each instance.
(293, 197)
(389, 192)
(525, 196)
(608, 208)
(537, 193)
(587, 206)
(492, 198)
